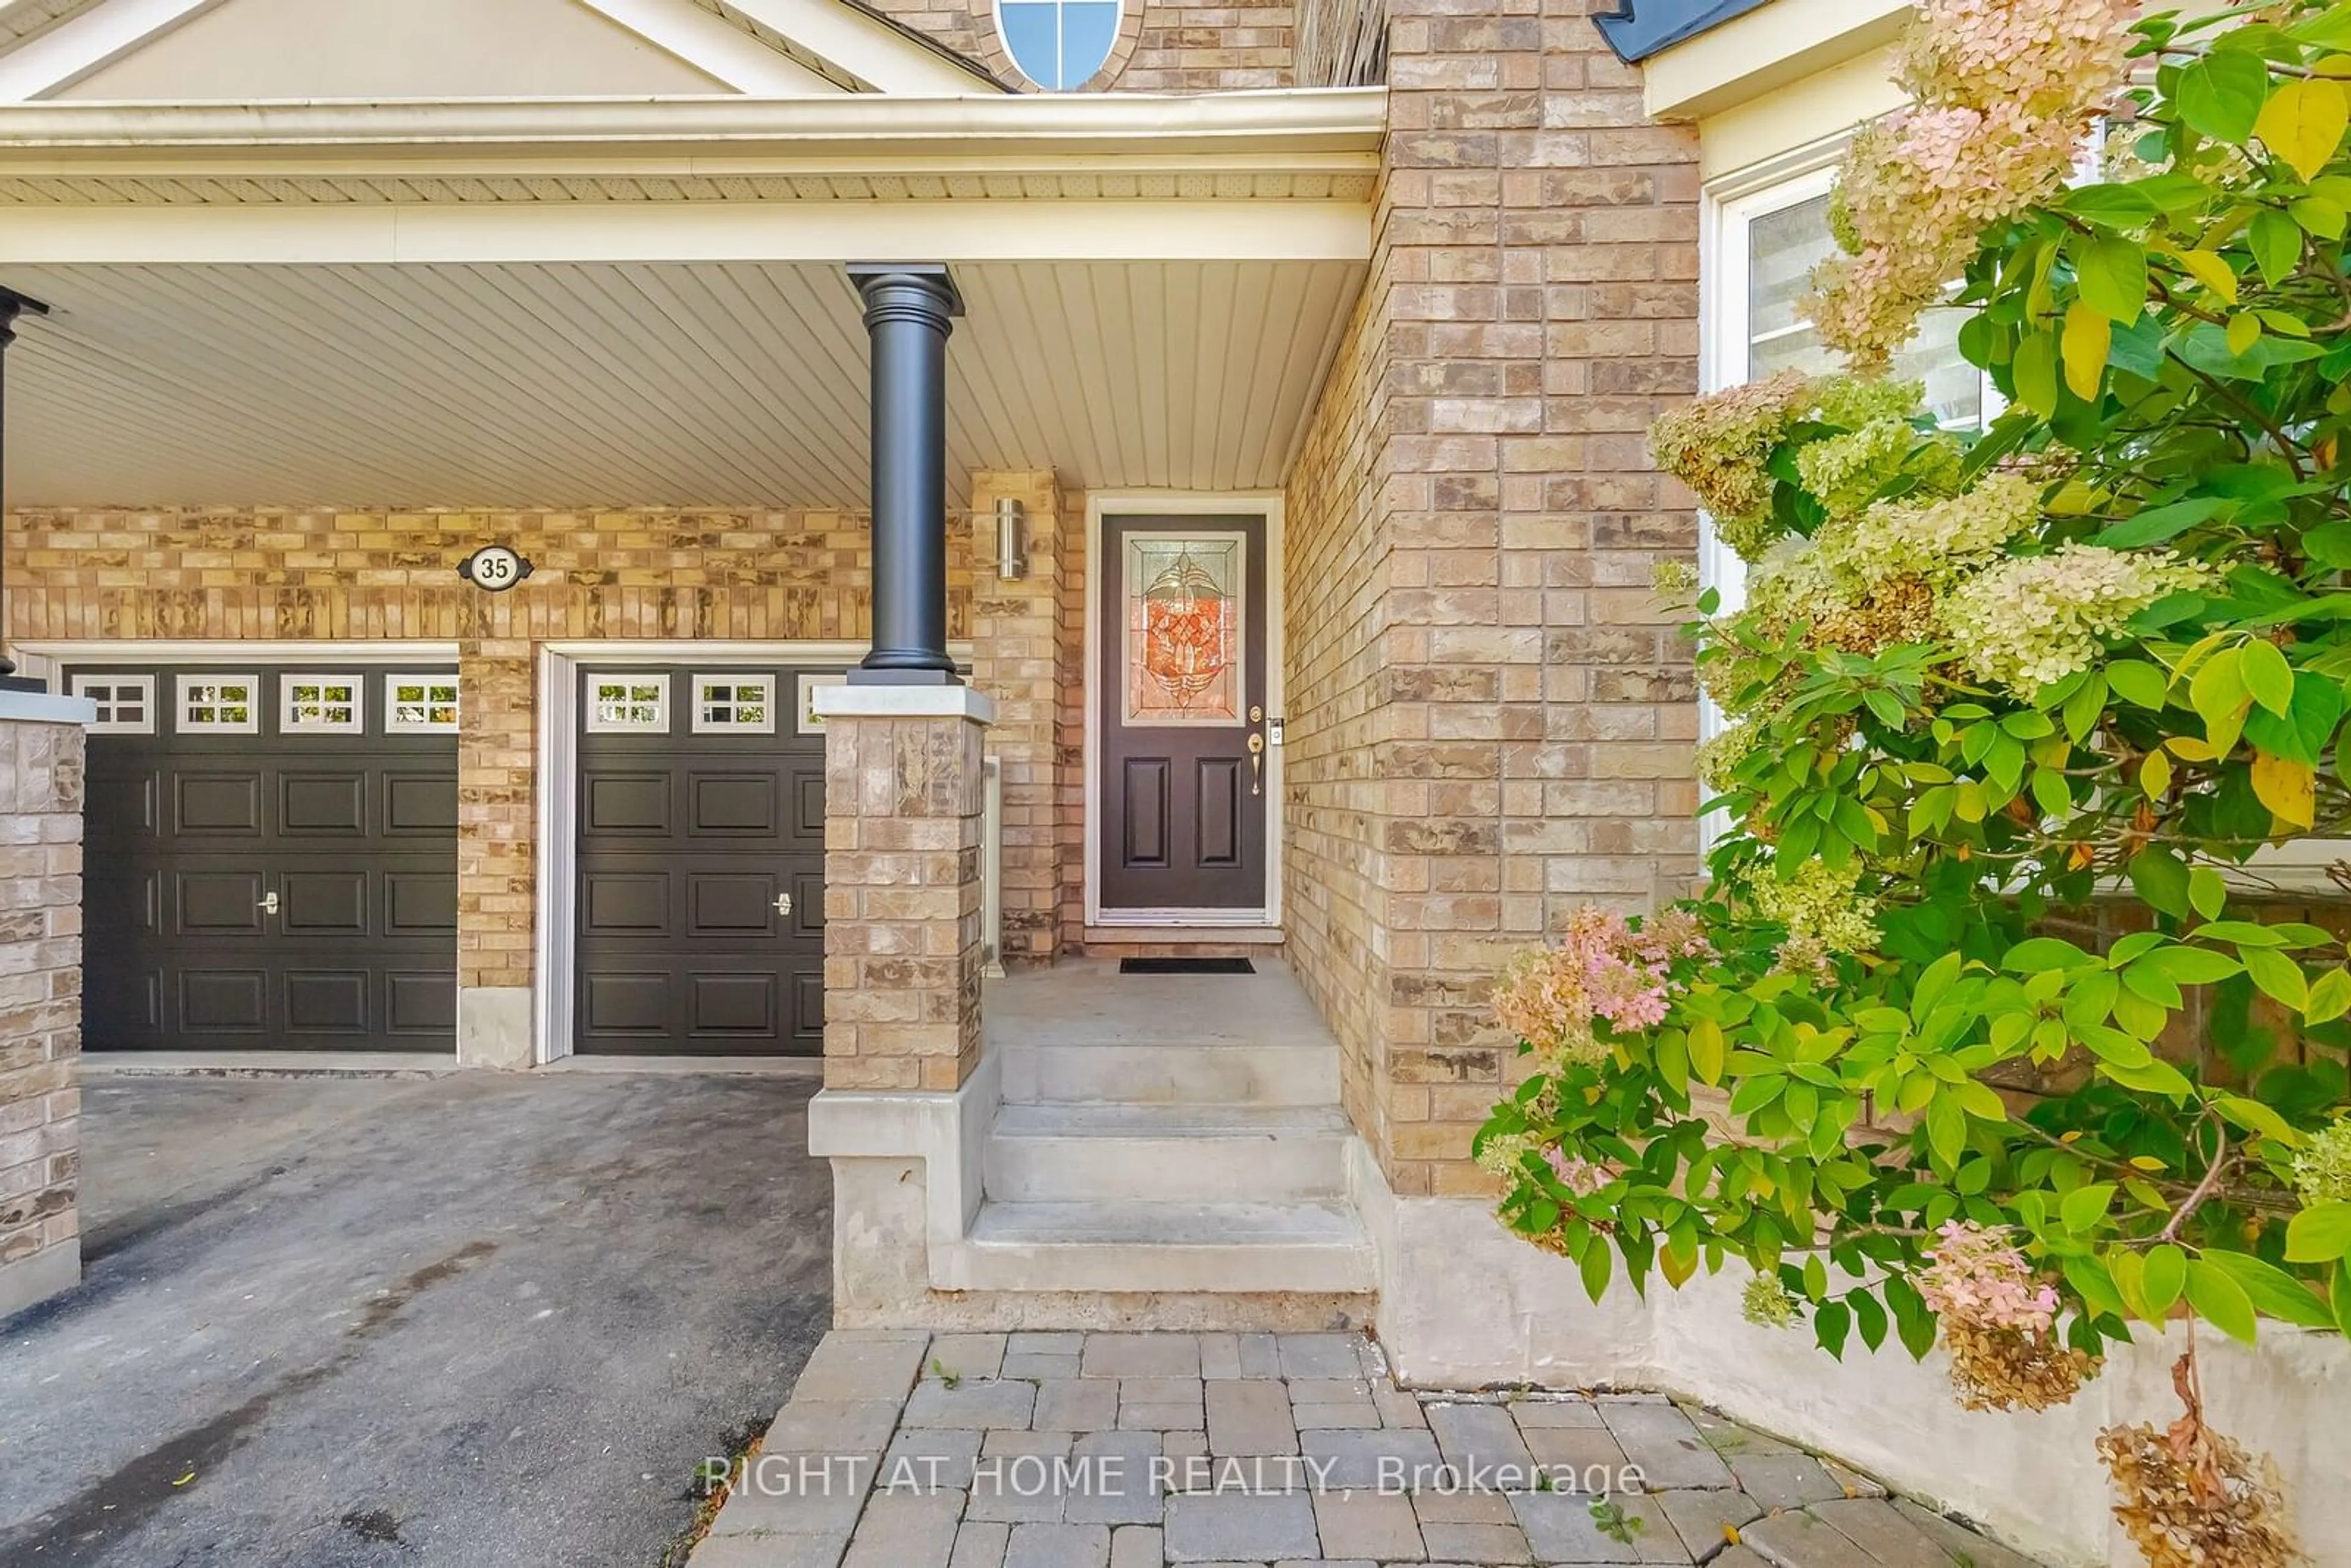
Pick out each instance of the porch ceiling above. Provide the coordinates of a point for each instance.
(515, 383)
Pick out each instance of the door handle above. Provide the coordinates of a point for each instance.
(268, 905)
(783, 904)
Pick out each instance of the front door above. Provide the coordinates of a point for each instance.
(1182, 684)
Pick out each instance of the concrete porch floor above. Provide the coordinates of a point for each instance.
(1137, 1450)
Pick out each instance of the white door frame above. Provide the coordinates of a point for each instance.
(1183, 503)
(554, 960)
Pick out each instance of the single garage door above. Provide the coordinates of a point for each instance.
(270, 858)
(701, 862)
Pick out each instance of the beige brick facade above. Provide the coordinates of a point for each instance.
(645, 573)
(1025, 655)
(1492, 714)
(40, 1009)
(902, 900)
(1161, 47)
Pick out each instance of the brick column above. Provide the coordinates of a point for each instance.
(497, 829)
(41, 755)
(902, 959)
(1014, 661)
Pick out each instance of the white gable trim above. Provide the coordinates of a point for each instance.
(89, 42)
(847, 45)
(707, 43)
(868, 49)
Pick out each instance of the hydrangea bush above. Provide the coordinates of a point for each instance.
(1977, 1031)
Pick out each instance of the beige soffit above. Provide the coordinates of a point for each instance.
(1766, 50)
(595, 385)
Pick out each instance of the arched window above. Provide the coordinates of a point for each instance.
(1057, 44)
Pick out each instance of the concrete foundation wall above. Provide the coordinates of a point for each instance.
(1464, 1304)
(41, 756)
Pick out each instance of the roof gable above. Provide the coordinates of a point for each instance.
(262, 50)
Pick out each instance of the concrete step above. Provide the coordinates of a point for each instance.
(1166, 1153)
(1221, 1248)
(1177, 1072)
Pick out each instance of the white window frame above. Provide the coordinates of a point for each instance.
(288, 723)
(393, 724)
(182, 688)
(702, 724)
(88, 684)
(1731, 209)
(593, 720)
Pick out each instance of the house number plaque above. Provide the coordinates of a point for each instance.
(494, 569)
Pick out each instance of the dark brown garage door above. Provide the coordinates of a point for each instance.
(271, 858)
(701, 909)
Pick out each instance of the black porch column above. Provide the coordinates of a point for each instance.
(12, 305)
(909, 310)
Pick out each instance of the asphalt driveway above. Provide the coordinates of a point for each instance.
(469, 1321)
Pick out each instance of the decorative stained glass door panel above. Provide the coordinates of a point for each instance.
(1183, 775)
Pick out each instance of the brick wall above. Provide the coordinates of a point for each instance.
(1161, 47)
(1499, 665)
(1017, 660)
(646, 573)
(40, 1009)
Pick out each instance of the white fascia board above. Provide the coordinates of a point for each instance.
(98, 38)
(711, 46)
(1292, 118)
(490, 233)
(866, 49)
(1765, 49)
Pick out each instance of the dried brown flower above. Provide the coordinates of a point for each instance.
(1995, 1368)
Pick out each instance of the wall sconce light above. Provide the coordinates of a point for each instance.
(1011, 537)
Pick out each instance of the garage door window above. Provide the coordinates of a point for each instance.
(321, 705)
(417, 705)
(628, 705)
(734, 705)
(126, 703)
(220, 705)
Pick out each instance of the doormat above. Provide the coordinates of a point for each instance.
(1186, 966)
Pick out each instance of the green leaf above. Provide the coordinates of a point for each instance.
(2159, 523)
(2273, 1291)
(2112, 273)
(2330, 998)
(1830, 1322)
(1868, 1317)
(2086, 1205)
(2278, 976)
(2319, 216)
(2266, 674)
(2208, 891)
(2035, 369)
(2276, 242)
(2220, 1300)
(2141, 685)
(2255, 1117)
(2035, 954)
(2150, 1077)
(2220, 94)
(1594, 1267)
(1947, 1128)
(2329, 29)
(2320, 1234)
(2338, 1299)
(2161, 878)
(2191, 966)
(2167, 1273)
(2108, 205)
